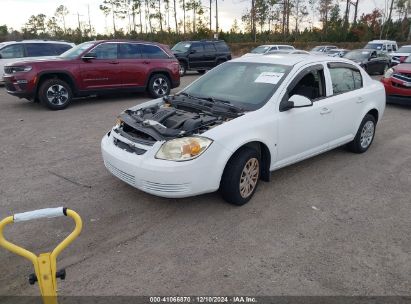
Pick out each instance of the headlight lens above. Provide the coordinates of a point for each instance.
(388, 73)
(119, 122)
(182, 149)
(19, 69)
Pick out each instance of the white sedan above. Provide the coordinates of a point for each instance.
(240, 121)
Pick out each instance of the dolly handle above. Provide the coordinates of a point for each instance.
(40, 213)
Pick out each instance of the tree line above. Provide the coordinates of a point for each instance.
(169, 21)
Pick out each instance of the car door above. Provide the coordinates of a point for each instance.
(132, 64)
(103, 72)
(303, 132)
(196, 55)
(345, 101)
(210, 55)
(373, 64)
(9, 54)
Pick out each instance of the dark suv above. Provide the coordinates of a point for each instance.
(201, 55)
(94, 67)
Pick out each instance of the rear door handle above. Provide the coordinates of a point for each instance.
(114, 62)
(325, 111)
(360, 99)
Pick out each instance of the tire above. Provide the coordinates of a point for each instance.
(365, 135)
(159, 85)
(56, 94)
(201, 71)
(236, 168)
(182, 69)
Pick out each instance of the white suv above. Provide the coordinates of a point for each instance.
(387, 46)
(12, 51)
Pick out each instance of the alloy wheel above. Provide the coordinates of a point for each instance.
(367, 134)
(57, 94)
(160, 86)
(249, 177)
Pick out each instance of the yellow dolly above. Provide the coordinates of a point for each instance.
(45, 263)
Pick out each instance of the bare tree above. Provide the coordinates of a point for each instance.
(61, 13)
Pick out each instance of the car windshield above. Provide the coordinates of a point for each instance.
(181, 47)
(357, 55)
(77, 50)
(260, 49)
(317, 49)
(242, 84)
(374, 46)
(403, 49)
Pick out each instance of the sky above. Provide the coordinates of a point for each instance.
(14, 13)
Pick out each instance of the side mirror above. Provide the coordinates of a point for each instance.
(193, 51)
(89, 56)
(295, 101)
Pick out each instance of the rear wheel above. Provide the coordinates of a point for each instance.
(56, 94)
(240, 178)
(365, 135)
(201, 71)
(159, 85)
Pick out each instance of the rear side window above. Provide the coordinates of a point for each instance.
(12, 51)
(285, 47)
(153, 52)
(222, 47)
(106, 51)
(209, 47)
(129, 51)
(345, 79)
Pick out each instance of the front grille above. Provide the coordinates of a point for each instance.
(128, 148)
(170, 188)
(402, 76)
(128, 178)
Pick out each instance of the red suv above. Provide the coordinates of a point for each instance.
(95, 67)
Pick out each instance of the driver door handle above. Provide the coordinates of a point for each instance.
(325, 111)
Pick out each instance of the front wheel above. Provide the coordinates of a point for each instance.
(240, 178)
(182, 70)
(56, 94)
(201, 71)
(159, 86)
(365, 135)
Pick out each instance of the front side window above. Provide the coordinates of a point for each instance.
(311, 85)
(106, 51)
(198, 47)
(129, 51)
(244, 84)
(345, 79)
(152, 52)
(12, 51)
(39, 49)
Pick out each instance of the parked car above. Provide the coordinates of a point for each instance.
(337, 52)
(382, 45)
(242, 120)
(201, 55)
(12, 51)
(397, 83)
(264, 49)
(399, 56)
(95, 67)
(321, 49)
(290, 51)
(373, 61)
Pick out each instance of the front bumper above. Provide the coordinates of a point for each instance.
(396, 91)
(19, 86)
(165, 178)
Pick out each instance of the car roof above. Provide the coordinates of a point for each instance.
(382, 41)
(289, 59)
(36, 41)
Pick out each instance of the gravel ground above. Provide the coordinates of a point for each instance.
(336, 224)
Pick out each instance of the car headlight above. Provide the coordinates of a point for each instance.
(182, 149)
(388, 73)
(19, 69)
(119, 122)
